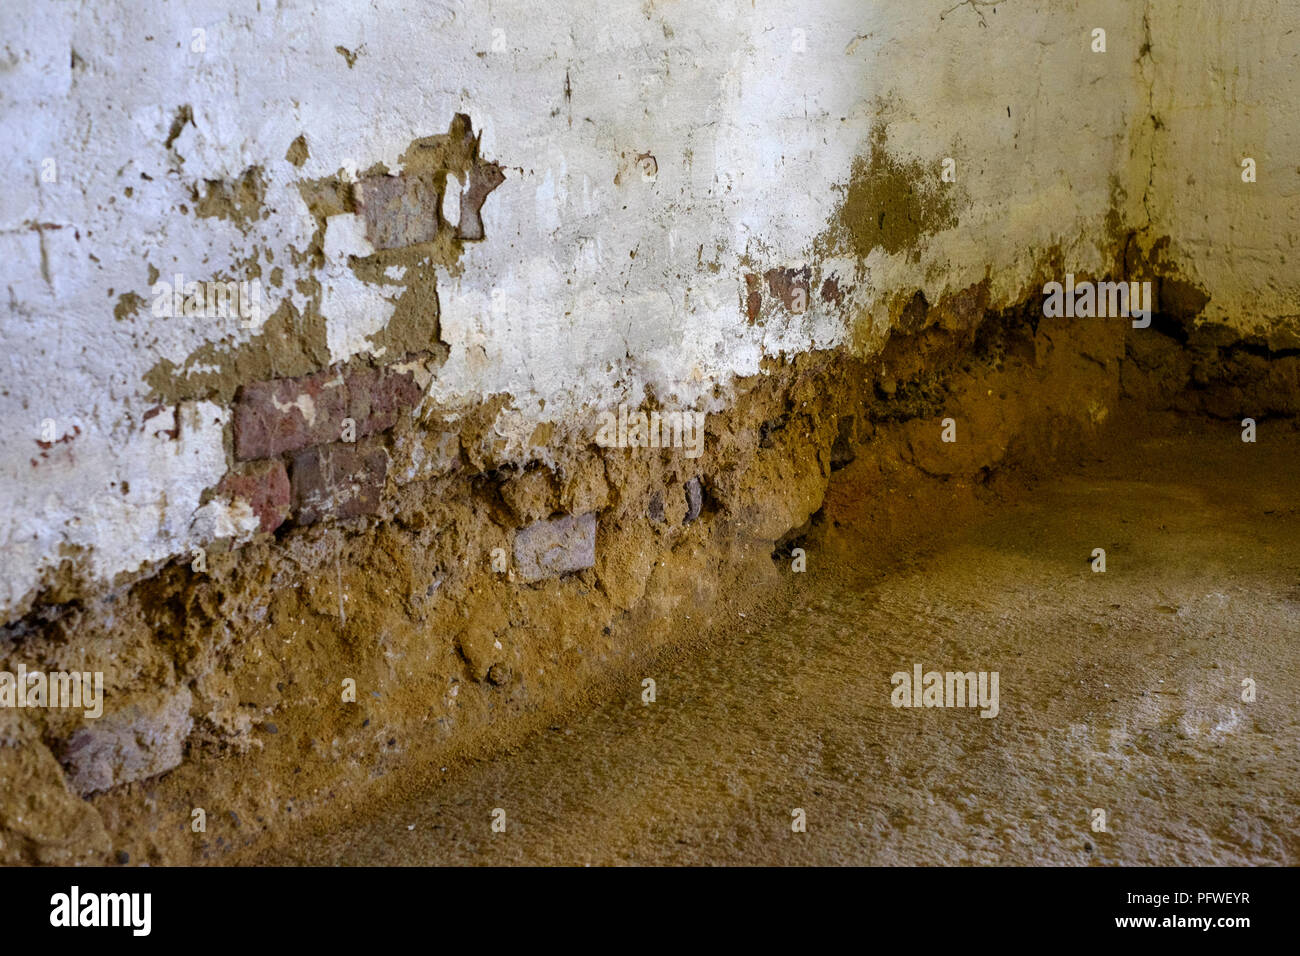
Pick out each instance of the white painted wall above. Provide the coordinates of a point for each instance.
(1224, 90)
(753, 136)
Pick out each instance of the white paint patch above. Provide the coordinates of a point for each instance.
(585, 291)
(112, 500)
(1223, 84)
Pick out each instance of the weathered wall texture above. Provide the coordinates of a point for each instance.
(595, 203)
(1222, 82)
(475, 231)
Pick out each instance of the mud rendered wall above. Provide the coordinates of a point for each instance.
(319, 322)
(1224, 180)
(586, 206)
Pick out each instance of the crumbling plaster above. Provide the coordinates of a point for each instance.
(601, 274)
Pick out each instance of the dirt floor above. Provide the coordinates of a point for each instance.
(1119, 691)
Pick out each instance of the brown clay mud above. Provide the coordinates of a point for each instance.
(1119, 692)
(322, 671)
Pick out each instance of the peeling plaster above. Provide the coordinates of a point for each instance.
(583, 292)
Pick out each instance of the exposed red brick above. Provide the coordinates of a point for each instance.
(265, 488)
(831, 291)
(340, 481)
(376, 397)
(289, 414)
(753, 297)
(400, 210)
(790, 286)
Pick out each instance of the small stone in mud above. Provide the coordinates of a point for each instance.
(694, 500)
(271, 728)
(656, 509)
(143, 739)
(123, 857)
(552, 547)
(499, 674)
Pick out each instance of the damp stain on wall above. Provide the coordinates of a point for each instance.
(889, 203)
